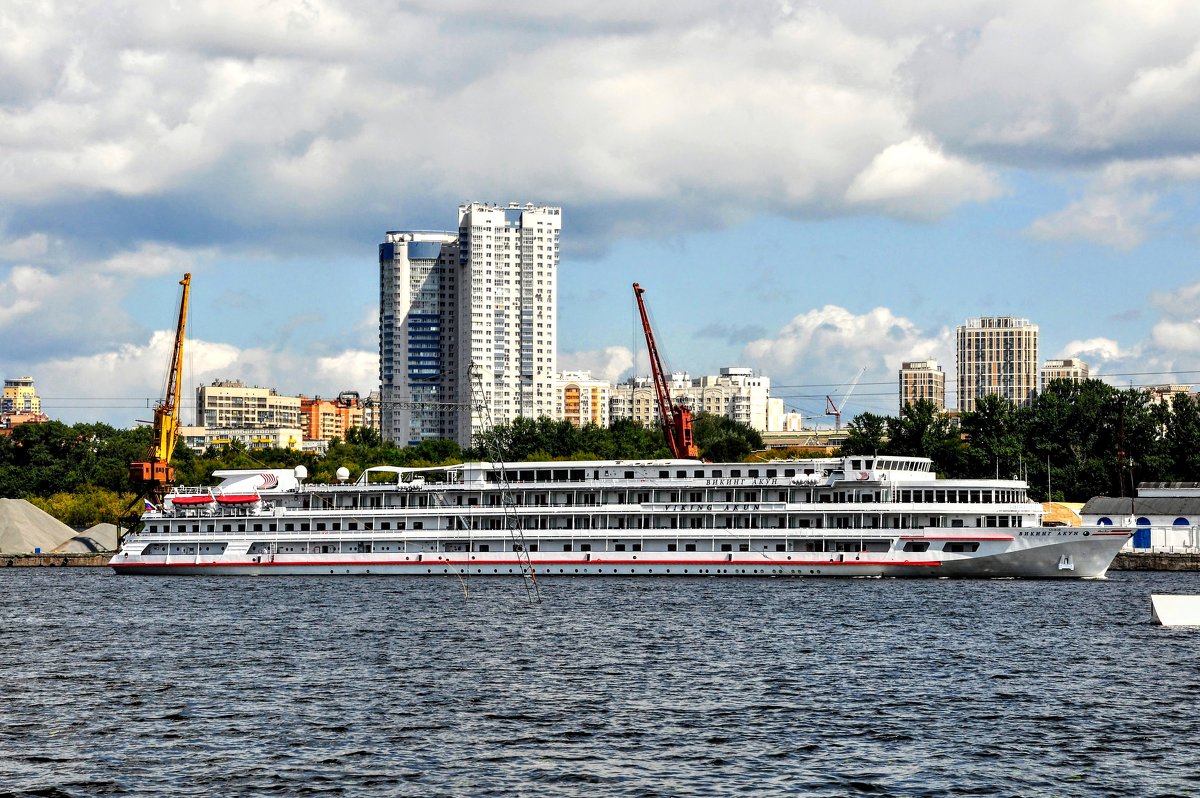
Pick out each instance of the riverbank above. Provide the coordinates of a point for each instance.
(54, 560)
(1155, 561)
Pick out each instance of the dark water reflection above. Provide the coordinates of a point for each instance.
(622, 686)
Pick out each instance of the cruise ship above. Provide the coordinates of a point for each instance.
(838, 516)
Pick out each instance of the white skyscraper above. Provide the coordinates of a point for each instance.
(485, 296)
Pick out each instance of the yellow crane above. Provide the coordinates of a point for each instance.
(155, 475)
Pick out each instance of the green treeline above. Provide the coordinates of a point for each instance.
(1096, 439)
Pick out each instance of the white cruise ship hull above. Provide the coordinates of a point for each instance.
(886, 517)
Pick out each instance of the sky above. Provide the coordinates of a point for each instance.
(809, 189)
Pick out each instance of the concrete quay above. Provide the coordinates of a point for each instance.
(1156, 561)
(54, 560)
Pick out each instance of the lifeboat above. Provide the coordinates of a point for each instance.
(238, 498)
(191, 499)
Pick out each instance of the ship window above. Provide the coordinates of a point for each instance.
(956, 522)
(743, 547)
(689, 546)
(681, 475)
(385, 525)
(698, 474)
(320, 526)
(289, 527)
(226, 527)
(855, 465)
(242, 527)
(484, 547)
(208, 528)
(636, 547)
(619, 547)
(772, 472)
(726, 547)
(780, 547)
(585, 546)
(418, 524)
(789, 472)
(664, 474)
(960, 548)
(351, 525)
(337, 526)
(916, 546)
(304, 526)
(628, 475)
(735, 472)
(257, 528)
(566, 547)
(533, 546)
(672, 547)
(753, 472)
(716, 472)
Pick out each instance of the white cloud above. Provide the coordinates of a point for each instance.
(30, 247)
(1092, 350)
(1177, 336)
(1113, 220)
(915, 179)
(610, 363)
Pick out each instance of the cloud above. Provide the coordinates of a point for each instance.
(1092, 351)
(1112, 220)
(915, 179)
(611, 363)
(827, 346)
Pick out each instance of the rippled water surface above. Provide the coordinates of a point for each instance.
(121, 685)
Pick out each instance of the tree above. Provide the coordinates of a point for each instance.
(865, 434)
(721, 439)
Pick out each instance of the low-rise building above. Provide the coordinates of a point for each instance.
(1068, 368)
(1165, 516)
(325, 419)
(735, 393)
(230, 404)
(199, 438)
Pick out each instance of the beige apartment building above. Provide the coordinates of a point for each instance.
(234, 405)
(922, 379)
(996, 355)
(1068, 368)
(580, 399)
(735, 393)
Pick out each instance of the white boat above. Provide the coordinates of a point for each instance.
(848, 516)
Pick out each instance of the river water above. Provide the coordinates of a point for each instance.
(380, 686)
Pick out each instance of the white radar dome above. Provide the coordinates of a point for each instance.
(301, 472)
(343, 474)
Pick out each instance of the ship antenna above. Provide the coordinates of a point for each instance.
(495, 456)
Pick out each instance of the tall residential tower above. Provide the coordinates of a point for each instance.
(997, 355)
(483, 296)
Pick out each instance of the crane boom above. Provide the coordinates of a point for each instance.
(156, 474)
(676, 419)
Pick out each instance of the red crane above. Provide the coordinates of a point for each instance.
(676, 419)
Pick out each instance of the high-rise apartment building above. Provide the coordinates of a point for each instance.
(20, 397)
(1063, 369)
(997, 355)
(922, 379)
(486, 297)
(418, 364)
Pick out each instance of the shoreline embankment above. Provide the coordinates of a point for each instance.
(55, 560)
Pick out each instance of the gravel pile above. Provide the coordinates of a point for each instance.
(24, 529)
(101, 537)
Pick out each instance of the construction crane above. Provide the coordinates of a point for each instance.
(676, 419)
(834, 410)
(155, 475)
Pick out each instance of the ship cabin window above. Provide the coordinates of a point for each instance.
(385, 525)
(664, 474)
(566, 547)
(337, 526)
(743, 547)
(368, 525)
(867, 465)
(961, 548)
(698, 474)
(289, 527)
(525, 476)
(628, 475)
(772, 472)
(208, 528)
(789, 472)
(726, 547)
(780, 547)
(735, 472)
(956, 522)
(975, 497)
(533, 547)
(672, 547)
(484, 547)
(417, 524)
(320, 526)
(352, 525)
(753, 472)
(304, 526)
(619, 547)
(585, 546)
(681, 475)
(576, 475)
(689, 546)
(242, 527)
(543, 476)
(914, 545)
(636, 546)
(226, 527)
(257, 528)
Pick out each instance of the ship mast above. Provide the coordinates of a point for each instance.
(676, 419)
